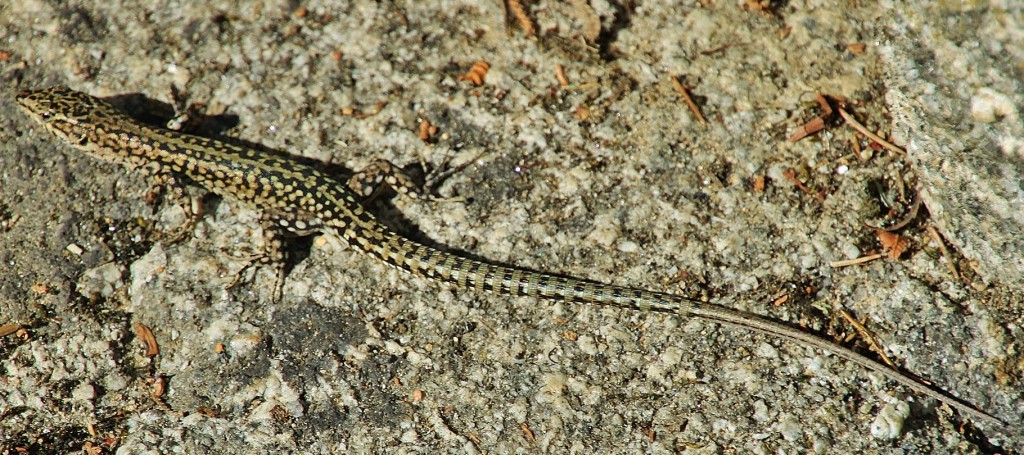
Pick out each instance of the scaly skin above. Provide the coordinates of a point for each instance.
(300, 199)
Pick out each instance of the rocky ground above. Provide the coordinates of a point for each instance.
(604, 172)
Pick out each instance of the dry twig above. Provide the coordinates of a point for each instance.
(681, 89)
(863, 130)
(945, 252)
(814, 125)
(866, 334)
(860, 260)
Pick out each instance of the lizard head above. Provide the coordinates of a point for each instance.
(80, 119)
(61, 110)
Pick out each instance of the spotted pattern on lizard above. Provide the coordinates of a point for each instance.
(302, 200)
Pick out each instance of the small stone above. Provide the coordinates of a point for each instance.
(84, 392)
(889, 422)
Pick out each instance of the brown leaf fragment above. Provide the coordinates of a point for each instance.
(90, 449)
(856, 48)
(894, 244)
(477, 73)
(760, 183)
(159, 386)
(146, 335)
(110, 441)
(563, 80)
(519, 12)
(426, 130)
(649, 433)
(8, 329)
(528, 432)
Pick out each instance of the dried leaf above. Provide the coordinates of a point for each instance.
(159, 386)
(519, 11)
(581, 113)
(894, 244)
(426, 130)
(91, 449)
(563, 80)
(760, 182)
(147, 337)
(477, 73)
(8, 329)
(528, 432)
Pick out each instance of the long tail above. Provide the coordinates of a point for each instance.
(466, 273)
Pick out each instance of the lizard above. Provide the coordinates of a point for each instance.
(298, 199)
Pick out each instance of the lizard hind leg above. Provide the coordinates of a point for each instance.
(273, 255)
(367, 182)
